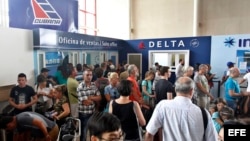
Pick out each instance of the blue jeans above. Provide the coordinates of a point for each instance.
(84, 119)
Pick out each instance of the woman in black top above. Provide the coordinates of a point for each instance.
(127, 111)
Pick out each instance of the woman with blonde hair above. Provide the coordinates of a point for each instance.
(110, 91)
(188, 71)
(61, 108)
(146, 85)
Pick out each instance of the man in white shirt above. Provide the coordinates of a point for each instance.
(180, 119)
(246, 78)
(179, 69)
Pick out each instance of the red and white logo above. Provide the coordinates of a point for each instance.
(141, 45)
(44, 13)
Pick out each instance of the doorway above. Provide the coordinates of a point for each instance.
(135, 58)
(168, 58)
(114, 58)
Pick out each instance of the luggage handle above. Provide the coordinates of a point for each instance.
(79, 126)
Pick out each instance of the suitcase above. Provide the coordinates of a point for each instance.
(70, 130)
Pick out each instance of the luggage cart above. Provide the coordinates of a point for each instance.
(70, 136)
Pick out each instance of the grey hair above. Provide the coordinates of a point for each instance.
(183, 85)
(126, 66)
(202, 66)
(131, 68)
(189, 68)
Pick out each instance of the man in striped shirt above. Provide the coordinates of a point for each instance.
(88, 95)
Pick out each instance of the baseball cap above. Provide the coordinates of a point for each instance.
(44, 70)
(230, 64)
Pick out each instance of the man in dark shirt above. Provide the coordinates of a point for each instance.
(22, 96)
(50, 79)
(164, 88)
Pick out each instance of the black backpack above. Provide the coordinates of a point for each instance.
(68, 129)
(205, 120)
(140, 84)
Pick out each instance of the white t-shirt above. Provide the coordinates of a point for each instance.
(247, 77)
(47, 91)
(179, 70)
(228, 73)
(181, 120)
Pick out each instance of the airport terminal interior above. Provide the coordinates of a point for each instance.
(60, 43)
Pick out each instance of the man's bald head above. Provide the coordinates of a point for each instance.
(184, 85)
(234, 72)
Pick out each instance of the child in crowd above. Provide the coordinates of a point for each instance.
(217, 121)
(104, 126)
(212, 109)
(227, 115)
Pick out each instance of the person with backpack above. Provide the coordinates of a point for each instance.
(179, 119)
(146, 86)
(148, 96)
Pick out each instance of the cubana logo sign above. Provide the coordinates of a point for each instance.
(44, 13)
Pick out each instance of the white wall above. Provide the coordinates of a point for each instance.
(16, 55)
(220, 17)
(113, 18)
(175, 18)
(162, 18)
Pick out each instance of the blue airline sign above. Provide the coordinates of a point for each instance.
(45, 38)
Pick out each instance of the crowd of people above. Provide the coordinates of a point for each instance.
(113, 104)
